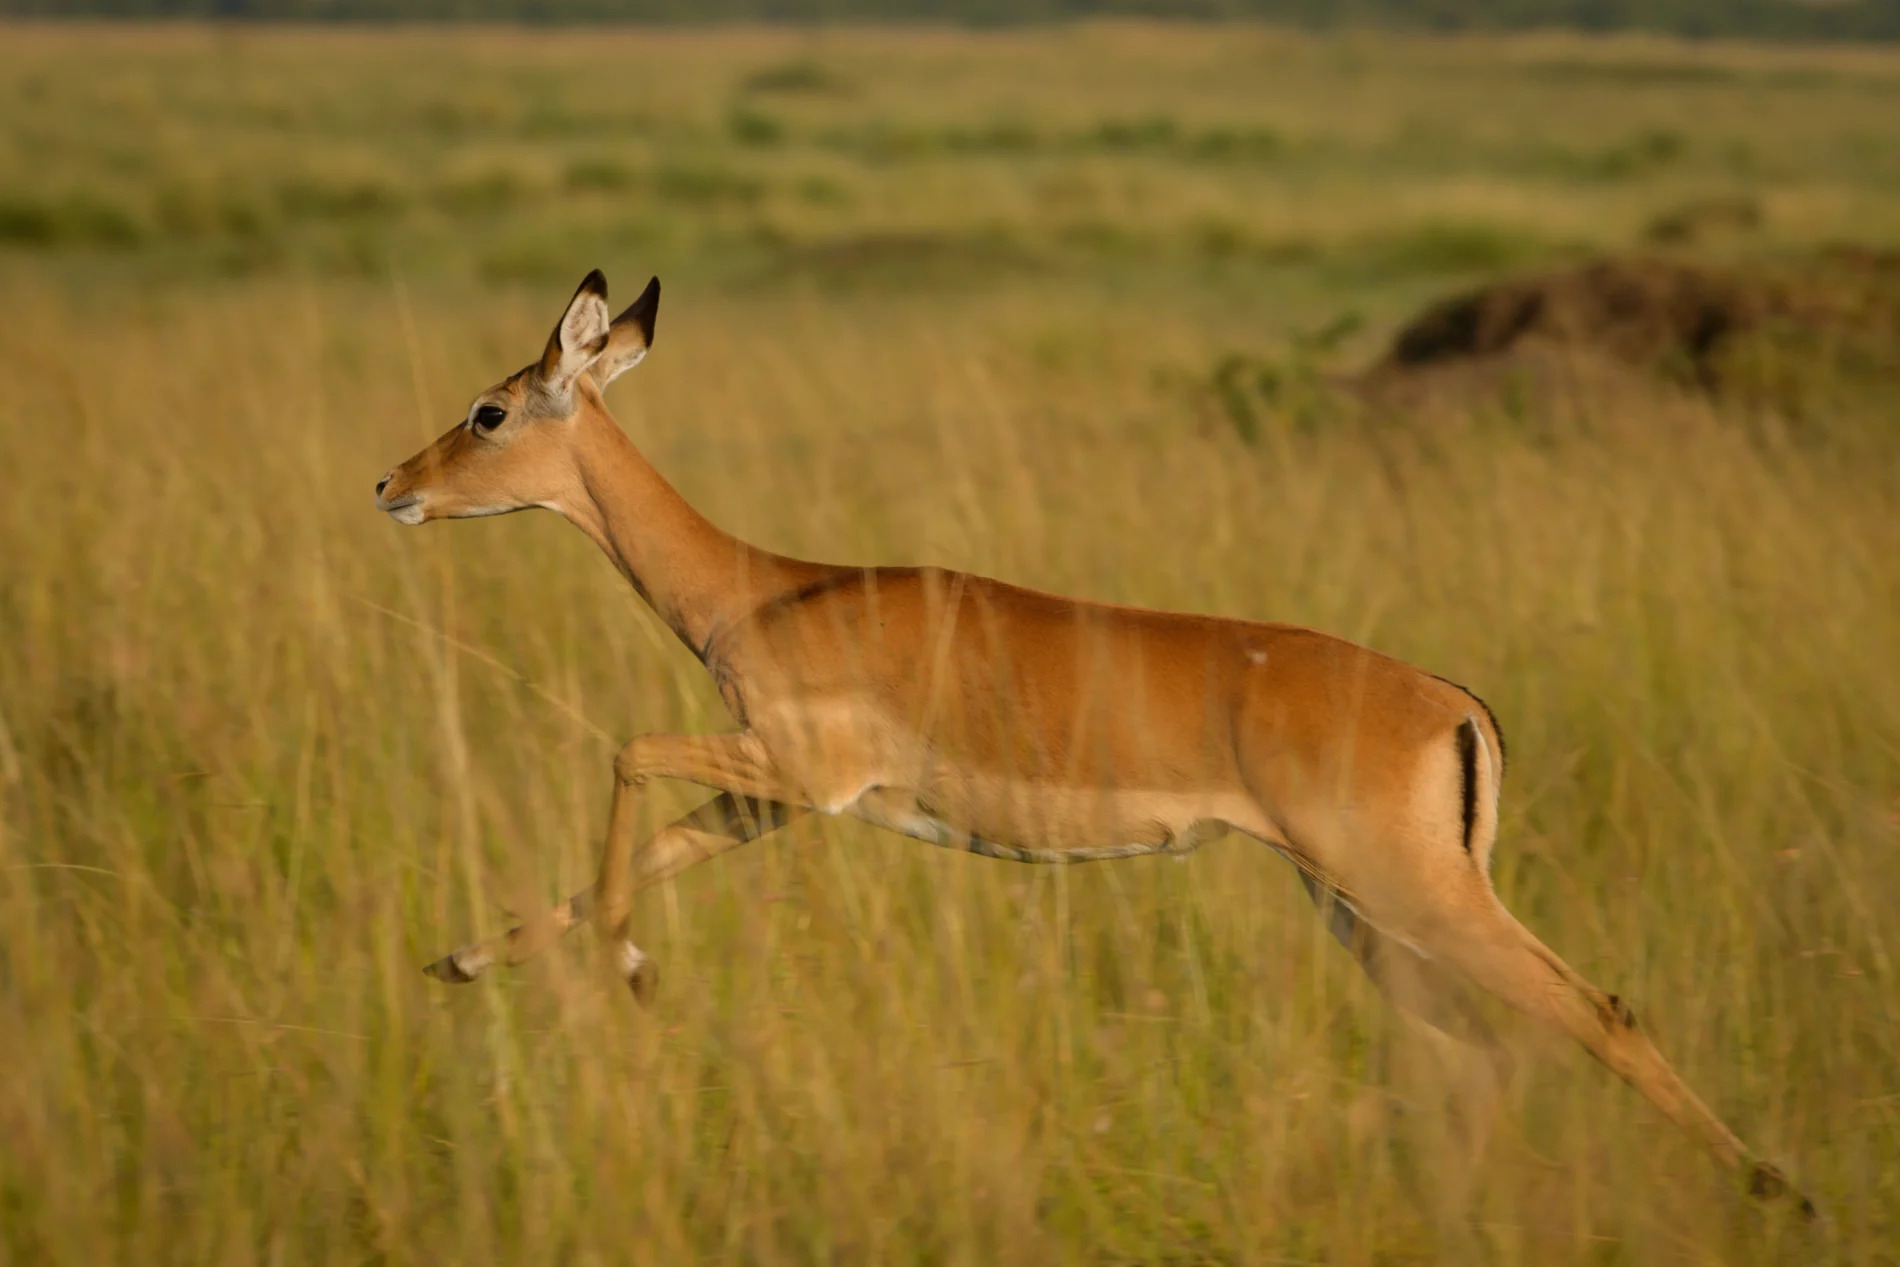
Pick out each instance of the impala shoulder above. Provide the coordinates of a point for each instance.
(840, 584)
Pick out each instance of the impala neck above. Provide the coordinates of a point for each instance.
(696, 577)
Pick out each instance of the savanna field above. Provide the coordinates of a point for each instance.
(1077, 307)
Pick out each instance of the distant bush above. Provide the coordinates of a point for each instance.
(596, 174)
(753, 128)
(1236, 144)
(1153, 132)
(822, 191)
(1643, 153)
(1448, 246)
(796, 76)
(74, 219)
(1701, 218)
(884, 140)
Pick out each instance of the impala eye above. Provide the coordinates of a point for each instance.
(488, 417)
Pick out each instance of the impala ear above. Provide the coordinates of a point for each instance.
(580, 337)
(629, 338)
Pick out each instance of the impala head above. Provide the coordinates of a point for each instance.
(515, 448)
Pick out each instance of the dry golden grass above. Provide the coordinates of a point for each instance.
(263, 753)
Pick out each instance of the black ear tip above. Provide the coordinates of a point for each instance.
(646, 309)
(595, 283)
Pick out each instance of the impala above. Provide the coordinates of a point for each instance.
(978, 715)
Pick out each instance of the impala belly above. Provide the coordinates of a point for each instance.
(1031, 823)
(957, 785)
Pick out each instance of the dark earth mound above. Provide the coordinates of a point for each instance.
(1643, 311)
(1802, 338)
(1654, 313)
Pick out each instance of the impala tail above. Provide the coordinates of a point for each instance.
(1481, 764)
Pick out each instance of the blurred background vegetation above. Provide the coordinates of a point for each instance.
(1799, 19)
(1361, 167)
(1563, 364)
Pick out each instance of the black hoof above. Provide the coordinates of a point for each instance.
(1769, 1184)
(446, 969)
(643, 981)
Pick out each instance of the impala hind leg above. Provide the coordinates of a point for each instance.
(723, 823)
(1460, 1043)
(1495, 951)
(1425, 992)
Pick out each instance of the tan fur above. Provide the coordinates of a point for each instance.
(972, 713)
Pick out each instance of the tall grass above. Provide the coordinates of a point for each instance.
(263, 753)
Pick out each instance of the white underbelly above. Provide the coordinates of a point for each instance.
(1043, 824)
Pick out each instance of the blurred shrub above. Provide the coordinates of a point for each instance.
(1641, 154)
(821, 191)
(1151, 132)
(754, 128)
(595, 173)
(78, 218)
(1249, 392)
(1701, 218)
(1235, 145)
(1447, 246)
(798, 75)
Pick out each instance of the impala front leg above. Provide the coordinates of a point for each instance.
(723, 823)
(737, 765)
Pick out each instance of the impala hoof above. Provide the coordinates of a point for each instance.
(450, 969)
(1769, 1184)
(638, 971)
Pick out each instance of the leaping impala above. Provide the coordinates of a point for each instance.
(977, 715)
